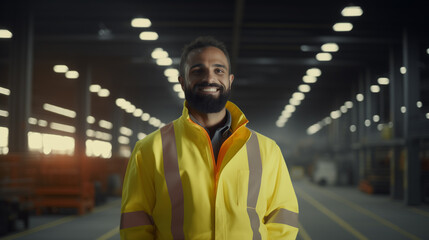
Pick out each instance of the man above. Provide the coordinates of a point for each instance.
(206, 175)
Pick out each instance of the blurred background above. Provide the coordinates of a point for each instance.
(342, 87)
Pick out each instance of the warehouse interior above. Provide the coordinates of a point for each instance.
(341, 86)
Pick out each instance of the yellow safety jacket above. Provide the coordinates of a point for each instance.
(174, 188)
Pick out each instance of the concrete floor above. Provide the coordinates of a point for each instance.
(325, 213)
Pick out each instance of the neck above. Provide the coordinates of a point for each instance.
(209, 120)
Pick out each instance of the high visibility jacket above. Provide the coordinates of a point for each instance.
(174, 188)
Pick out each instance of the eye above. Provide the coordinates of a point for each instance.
(219, 70)
(196, 71)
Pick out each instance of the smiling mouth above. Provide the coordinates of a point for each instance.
(208, 89)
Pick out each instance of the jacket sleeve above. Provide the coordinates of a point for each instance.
(138, 198)
(281, 218)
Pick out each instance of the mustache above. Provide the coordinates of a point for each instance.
(205, 84)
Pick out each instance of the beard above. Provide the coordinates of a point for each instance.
(207, 103)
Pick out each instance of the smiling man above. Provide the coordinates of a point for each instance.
(206, 175)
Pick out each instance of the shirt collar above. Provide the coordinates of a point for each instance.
(223, 129)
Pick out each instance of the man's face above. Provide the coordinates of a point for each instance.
(207, 82)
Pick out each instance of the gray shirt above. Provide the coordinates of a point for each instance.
(220, 135)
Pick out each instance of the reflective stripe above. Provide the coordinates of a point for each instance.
(135, 219)
(173, 180)
(283, 216)
(255, 175)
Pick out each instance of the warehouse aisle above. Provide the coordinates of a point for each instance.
(325, 213)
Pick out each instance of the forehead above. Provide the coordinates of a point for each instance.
(212, 54)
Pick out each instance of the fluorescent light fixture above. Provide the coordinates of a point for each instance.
(141, 23)
(90, 119)
(103, 92)
(403, 109)
(145, 117)
(72, 74)
(4, 91)
(177, 87)
(4, 33)
(367, 123)
(59, 110)
(4, 113)
(123, 140)
(309, 79)
(353, 128)
(383, 81)
(120, 102)
(148, 36)
(125, 131)
(141, 135)
(32, 121)
(294, 102)
(290, 108)
(327, 120)
(94, 88)
(103, 135)
(323, 57)
(286, 114)
(314, 72)
(352, 11)
(159, 53)
(374, 88)
(171, 72)
(280, 124)
(427, 115)
(181, 95)
(90, 133)
(348, 104)
(174, 79)
(330, 47)
(380, 127)
(376, 118)
(343, 109)
(403, 70)
(105, 124)
(62, 127)
(298, 95)
(313, 129)
(42, 123)
(359, 97)
(130, 108)
(304, 88)
(61, 68)
(164, 61)
(335, 114)
(138, 112)
(342, 27)
(419, 104)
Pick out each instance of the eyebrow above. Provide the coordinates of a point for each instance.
(216, 65)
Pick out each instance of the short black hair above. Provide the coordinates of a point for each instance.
(202, 42)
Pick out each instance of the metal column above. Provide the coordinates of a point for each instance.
(21, 82)
(411, 94)
(84, 106)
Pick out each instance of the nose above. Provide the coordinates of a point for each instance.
(210, 76)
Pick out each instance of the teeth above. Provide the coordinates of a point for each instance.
(209, 89)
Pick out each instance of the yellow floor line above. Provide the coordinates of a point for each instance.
(419, 211)
(362, 210)
(330, 214)
(109, 234)
(58, 222)
(303, 233)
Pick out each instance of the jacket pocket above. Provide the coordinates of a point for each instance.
(242, 187)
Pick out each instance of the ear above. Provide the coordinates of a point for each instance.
(231, 78)
(182, 82)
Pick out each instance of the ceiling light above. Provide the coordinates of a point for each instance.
(140, 22)
(4, 113)
(403, 109)
(123, 140)
(62, 127)
(164, 61)
(148, 36)
(304, 88)
(376, 118)
(138, 112)
(59, 110)
(353, 128)
(171, 72)
(72, 74)
(342, 27)
(280, 124)
(314, 72)
(427, 115)
(330, 47)
(173, 79)
(313, 129)
(32, 121)
(145, 116)
(383, 81)
(298, 95)
(4, 33)
(177, 87)
(359, 97)
(90, 133)
(125, 131)
(427, 51)
(419, 104)
(120, 102)
(352, 11)
(103, 92)
(309, 79)
(327, 120)
(159, 53)
(335, 114)
(94, 88)
(181, 95)
(61, 68)
(42, 123)
(367, 122)
(343, 109)
(374, 88)
(403, 70)
(141, 135)
(305, 48)
(130, 108)
(294, 102)
(348, 104)
(323, 57)
(290, 108)
(4, 91)
(105, 124)
(90, 119)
